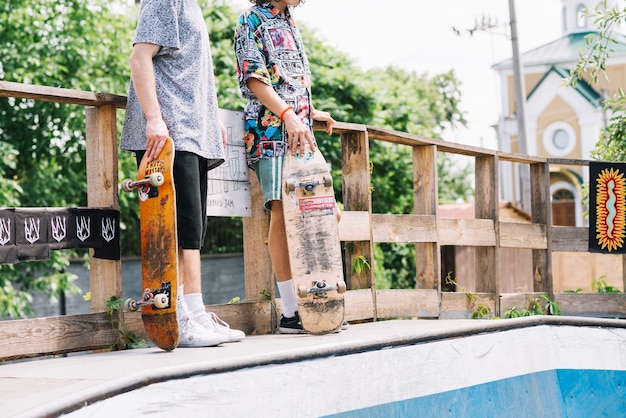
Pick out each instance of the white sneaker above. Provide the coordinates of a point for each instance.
(192, 334)
(213, 323)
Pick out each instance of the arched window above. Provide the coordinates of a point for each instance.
(581, 17)
(563, 194)
(563, 208)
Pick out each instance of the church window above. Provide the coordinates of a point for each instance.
(581, 18)
(560, 139)
(563, 208)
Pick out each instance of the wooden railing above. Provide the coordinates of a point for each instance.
(359, 227)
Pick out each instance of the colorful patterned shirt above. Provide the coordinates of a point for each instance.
(269, 48)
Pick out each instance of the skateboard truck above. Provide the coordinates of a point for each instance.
(308, 184)
(320, 288)
(155, 180)
(159, 298)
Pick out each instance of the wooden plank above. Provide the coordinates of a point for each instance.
(516, 300)
(355, 226)
(26, 338)
(598, 305)
(567, 161)
(569, 238)
(357, 197)
(425, 197)
(487, 207)
(518, 235)
(469, 232)
(341, 127)
(519, 158)
(459, 305)
(542, 214)
(407, 303)
(413, 140)
(102, 191)
(530, 159)
(259, 275)
(56, 335)
(251, 317)
(59, 95)
(403, 228)
(133, 323)
(359, 305)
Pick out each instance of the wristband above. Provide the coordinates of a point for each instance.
(284, 111)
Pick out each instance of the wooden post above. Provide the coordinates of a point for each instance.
(257, 267)
(357, 197)
(259, 276)
(425, 198)
(102, 192)
(542, 214)
(487, 207)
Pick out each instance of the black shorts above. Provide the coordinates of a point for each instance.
(190, 180)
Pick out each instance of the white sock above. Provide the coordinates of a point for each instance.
(195, 303)
(288, 298)
(181, 308)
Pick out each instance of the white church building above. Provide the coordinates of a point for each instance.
(561, 121)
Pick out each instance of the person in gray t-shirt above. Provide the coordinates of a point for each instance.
(172, 94)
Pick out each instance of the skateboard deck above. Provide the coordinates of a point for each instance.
(313, 241)
(159, 247)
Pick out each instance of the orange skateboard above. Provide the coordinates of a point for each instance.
(159, 248)
(313, 241)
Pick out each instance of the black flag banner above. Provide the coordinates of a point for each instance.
(109, 248)
(607, 207)
(8, 249)
(30, 233)
(86, 223)
(61, 229)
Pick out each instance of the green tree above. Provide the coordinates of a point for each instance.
(85, 45)
(78, 44)
(592, 63)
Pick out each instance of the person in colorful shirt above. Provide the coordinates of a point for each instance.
(172, 94)
(274, 76)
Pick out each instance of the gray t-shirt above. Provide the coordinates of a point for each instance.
(184, 80)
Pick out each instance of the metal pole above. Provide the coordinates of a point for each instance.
(520, 110)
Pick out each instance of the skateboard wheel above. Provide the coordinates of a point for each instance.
(157, 179)
(303, 291)
(290, 185)
(328, 181)
(341, 287)
(126, 185)
(130, 305)
(161, 301)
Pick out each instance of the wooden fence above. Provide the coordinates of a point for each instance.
(360, 229)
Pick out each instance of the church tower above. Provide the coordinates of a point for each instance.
(562, 122)
(573, 14)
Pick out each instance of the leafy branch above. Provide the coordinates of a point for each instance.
(113, 310)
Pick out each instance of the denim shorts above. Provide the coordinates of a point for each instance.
(270, 174)
(190, 181)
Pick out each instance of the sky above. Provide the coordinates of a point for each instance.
(417, 35)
